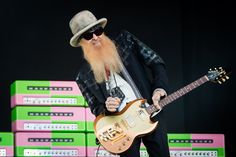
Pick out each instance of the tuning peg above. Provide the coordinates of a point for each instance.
(210, 69)
(219, 82)
(223, 80)
(220, 68)
(227, 77)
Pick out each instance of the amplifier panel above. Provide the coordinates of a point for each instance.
(28, 118)
(50, 144)
(46, 93)
(196, 145)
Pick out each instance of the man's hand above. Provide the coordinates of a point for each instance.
(156, 97)
(112, 103)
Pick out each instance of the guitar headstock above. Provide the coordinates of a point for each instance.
(218, 75)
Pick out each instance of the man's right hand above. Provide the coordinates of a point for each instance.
(112, 104)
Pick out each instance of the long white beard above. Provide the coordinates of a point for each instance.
(99, 58)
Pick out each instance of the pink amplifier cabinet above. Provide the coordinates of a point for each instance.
(46, 93)
(50, 144)
(47, 119)
(196, 145)
(89, 120)
(6, 144)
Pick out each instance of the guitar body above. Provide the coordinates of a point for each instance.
(117, 132)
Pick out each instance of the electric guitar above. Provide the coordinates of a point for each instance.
(117, 132)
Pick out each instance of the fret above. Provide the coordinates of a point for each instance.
(179, 92)
(172, 97)
(163, 103)
(203, 80)
(168, 101)
(195, 84)
(185, 90)
(175, 95)
(182, 91)
(188, 88)
(191, 86)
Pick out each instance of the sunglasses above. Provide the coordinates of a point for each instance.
(89, 35)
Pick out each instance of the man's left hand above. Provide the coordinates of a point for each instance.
(156, 97)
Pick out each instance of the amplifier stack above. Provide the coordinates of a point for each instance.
(48, 118)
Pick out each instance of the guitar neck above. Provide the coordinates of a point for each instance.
(179, 93)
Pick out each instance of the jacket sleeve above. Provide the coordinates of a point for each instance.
(96, 107)
(149, 57)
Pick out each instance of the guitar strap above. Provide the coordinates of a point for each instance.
(130, 81)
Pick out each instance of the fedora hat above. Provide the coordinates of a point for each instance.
(81, 22)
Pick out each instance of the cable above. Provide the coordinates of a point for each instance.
(98, 150)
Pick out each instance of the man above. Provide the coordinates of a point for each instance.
(115, 72)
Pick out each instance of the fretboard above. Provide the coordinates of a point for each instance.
(179, 93)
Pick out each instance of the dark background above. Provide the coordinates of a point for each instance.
(190, 35)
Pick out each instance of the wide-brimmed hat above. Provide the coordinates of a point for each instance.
(82, 22)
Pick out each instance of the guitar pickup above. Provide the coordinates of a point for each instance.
(142, 115)
(130, 121)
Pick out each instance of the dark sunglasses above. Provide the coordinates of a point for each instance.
(89, 35)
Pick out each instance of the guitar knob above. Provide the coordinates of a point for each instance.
(123, 143)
